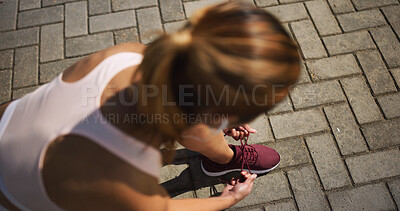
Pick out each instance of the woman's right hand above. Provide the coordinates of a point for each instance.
(238, 190)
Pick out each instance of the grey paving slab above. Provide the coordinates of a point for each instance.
(394, 187)
(266, 3)
(298, 123)
(88, 44)
(396, 75)
(172, 10)
(149, 24)
(293, 152)
(117, 20)
(283, 106)
(383, 134)
(369, 197)
(248, 1)
(263, 128)
(5, 86)
(328, 162)
(323, 18)
(41, 16)
(26, 66)
(19, 38)
(118, 5)
(349, 42)
(8, 15)
(304, 77)
(341, 6)
(174, 26)
(176, 177)
(345, 129)
(375, 69)
(307, 95)
(366, 4)
(97, 7)
(278, 188)
(289, 12)
(185, 195)
(388, 45)
(126, 35)
(55, 2)
(191, 7)
(76, 19)
(6, 59)
(361, 101)
(308, 39)
(52, 42)
(18, 93)
(29, 4)
(392, 14)
(279, 206)
(360, 20)
(50, 70)
(333, 67)
(306, 189)
(373, 166)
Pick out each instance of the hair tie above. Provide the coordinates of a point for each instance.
(182, 38)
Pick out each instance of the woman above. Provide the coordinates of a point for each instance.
(89, 139)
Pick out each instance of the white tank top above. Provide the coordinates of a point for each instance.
(59, 108)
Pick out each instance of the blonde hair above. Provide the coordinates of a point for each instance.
(230, 44)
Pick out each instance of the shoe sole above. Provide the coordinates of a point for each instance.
(216, 174)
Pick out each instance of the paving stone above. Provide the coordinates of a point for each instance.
(304, 78)
(341, 6)
(126, 35)
(19, 38)
(324, 20)
(383, 134)
(266, 3)
(290, 1)
(118, 20)
(308, 39)
(298, 123)
(307, 95)
(29, 4)
(388, 44)
(363, 104)
(369, 197)
(394, 187)
(55, 2)
(41, 16)
(5, 86)
(18, 93)
(118, 5)
(349, 42)
(293, 152)
(50, 70)
(191, 7)
(174, 26)
(263, 128)
(377, 75)
(333, 67)
(327, 160)
(248, 1)
(396, 75)
(288, 12)
(279, 206)
(97, 7)
(392, 14)
(52, 42)
(378, 165)
(88, 44)
(206, 192)
(175, 177)
(6, 59)
(76, 19)
(306, 189)
(149, 21)
(278, 188)
(172, 10)
(8, 15)
(360, 20)
(283, 106)
(345, 129)
(185, 195)
(26, 66)
(366, 4)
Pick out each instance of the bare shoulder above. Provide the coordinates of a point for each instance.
(78, 174)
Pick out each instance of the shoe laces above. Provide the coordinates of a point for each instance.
(249, 154)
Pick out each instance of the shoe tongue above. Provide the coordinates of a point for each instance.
(237, 153)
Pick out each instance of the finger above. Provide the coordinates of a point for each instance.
(241, 135)
(250, 179)
(250, 129)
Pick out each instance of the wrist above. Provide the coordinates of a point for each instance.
(229, 199)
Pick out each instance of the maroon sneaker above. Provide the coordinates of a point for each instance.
(252, 158)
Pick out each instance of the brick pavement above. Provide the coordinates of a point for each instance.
(337, 132)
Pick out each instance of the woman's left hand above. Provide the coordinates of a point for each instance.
(240, 132)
